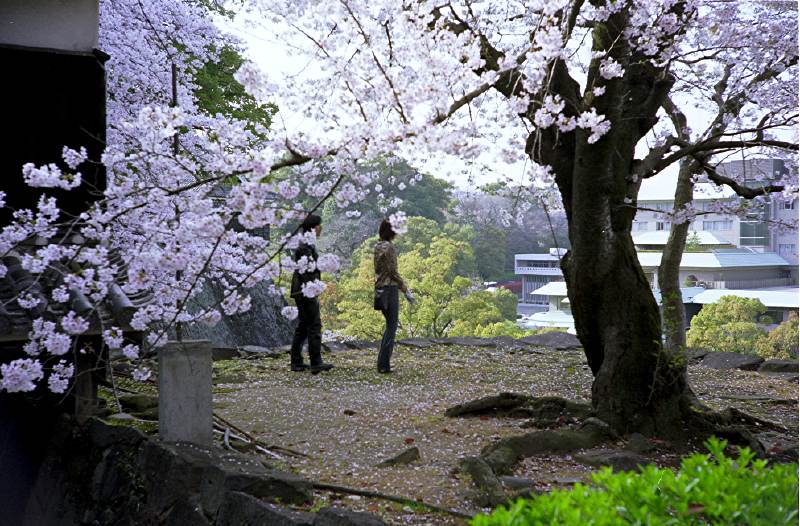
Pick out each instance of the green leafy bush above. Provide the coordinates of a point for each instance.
(707, 489)
(781, 343)
(732, 324)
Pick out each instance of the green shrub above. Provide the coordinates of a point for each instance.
(732, 324)
(544, 330)
(707, 489)
(781, 343)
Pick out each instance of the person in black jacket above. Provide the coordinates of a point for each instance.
(309, 326)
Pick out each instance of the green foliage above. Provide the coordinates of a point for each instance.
(427, 198)
(436, 264)
(707, 489)
(219, 92)
(782, 342)
(693, 243)
(730, 325)
(545, 330)
(489, 245)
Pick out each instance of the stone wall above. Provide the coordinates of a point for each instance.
(262, 325)
(101, 474)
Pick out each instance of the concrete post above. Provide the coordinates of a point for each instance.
(184, 392)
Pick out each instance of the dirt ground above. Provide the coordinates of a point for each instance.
(351, 418)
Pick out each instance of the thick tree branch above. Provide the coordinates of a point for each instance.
(741, 190)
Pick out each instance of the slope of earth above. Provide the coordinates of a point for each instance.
(350, 419)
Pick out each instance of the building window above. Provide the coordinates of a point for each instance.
(660, 225)
(641, 225)
(788, 205)
(725, 224)
(788, 249)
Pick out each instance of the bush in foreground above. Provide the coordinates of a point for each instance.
(707, 489)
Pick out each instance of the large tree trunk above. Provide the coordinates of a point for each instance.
(637, 385)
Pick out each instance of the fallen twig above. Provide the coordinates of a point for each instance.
(324, 486)
(252, 439)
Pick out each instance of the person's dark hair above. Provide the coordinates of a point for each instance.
(310, 223)
(385, 231)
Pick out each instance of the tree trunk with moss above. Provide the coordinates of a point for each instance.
(638, 385)
(673, 312)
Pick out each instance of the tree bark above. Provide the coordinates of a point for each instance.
(637, 385)
(673, 313)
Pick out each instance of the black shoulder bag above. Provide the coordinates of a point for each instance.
(381, 301)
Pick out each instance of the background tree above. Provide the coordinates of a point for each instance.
(732, 324)
(395, 186)
(432, 261)
(219, 92)
(782, 342)
(507, 221)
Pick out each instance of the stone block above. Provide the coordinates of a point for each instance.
(240, 509)
(778, 366)
(731, 360)
(184, 386)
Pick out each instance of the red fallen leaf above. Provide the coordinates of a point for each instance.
(409, 440)
(483, 417)
(445, 430)
(694, 508)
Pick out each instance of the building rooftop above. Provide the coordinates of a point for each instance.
(536, 257)
(660, 237)
(687, 294)
(786, 298)
(554, 288)
(662, 188)
(719, 258)
(559, 288)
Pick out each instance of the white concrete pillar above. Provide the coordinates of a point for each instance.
(184, 392)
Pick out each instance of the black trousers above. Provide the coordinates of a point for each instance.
(309, 327)
(390, 315)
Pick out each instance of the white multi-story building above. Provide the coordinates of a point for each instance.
(743, 255)
(535, 271)
(758, 231)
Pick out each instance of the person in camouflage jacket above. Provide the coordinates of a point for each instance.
(387, 284)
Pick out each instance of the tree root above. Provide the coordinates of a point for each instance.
(500, 457)
(335, 488)
(735, 426)
(547, 409)
(734, 417)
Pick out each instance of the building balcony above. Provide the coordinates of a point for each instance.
(748, 283)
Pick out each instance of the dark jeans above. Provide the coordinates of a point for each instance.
(309, 327)
(390, 314)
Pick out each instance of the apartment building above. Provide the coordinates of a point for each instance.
(535, 271)
(759, 230)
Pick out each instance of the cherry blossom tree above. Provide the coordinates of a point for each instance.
(574, 89)
(187, 194)
(744, 53)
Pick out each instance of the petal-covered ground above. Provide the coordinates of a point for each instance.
(350, 419)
